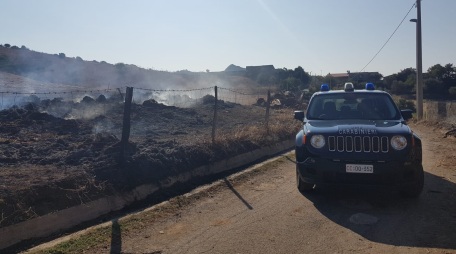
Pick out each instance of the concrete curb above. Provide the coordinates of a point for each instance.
(64, 219)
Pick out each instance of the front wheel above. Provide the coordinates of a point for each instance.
(415, 189)
(302, 186)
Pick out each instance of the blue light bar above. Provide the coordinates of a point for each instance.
(370, 86)
(324, 88)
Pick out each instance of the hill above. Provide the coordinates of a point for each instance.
(22, 67)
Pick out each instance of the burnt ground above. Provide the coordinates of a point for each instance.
(51, 160)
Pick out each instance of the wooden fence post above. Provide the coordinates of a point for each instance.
(214, 121)
(268, 105)
(126, 123)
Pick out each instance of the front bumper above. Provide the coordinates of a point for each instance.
(327, 171)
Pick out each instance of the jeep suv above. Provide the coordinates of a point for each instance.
(357, 137)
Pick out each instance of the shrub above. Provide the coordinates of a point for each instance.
(406, 104)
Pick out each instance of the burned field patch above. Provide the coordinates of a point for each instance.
(50, 161)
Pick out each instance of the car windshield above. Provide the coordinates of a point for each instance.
(367, 106)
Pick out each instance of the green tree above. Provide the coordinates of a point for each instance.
(434, 86)
(400, 87)
(403, 75)
(303, 76)
(291, 84)
(436, 72)
(439, 80)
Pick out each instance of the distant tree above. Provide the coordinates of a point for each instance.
(295, 79)
(439, 80)
(402, 82)
(436, 72)
(7, 45)
(433, 86)
(400, 87)
(283, 73)
(79, 58)
(403, 75)
(119, 66)
(62, 55)
(303, 76)
(388, 81)
(23, 47)
(291, 84)
(207, 70)
(14, 47)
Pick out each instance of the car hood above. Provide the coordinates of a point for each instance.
(356, 127)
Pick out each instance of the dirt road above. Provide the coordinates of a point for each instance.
(264, 213)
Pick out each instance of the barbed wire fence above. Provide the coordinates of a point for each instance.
(213, 98)
(124, 136)
(145, 102)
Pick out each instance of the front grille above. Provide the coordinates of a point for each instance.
(358, 144)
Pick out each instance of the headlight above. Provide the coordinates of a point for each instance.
(317, 141)
(398, 142)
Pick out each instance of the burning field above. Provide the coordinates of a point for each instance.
(55, 154)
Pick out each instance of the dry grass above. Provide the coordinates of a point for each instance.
(281, 126)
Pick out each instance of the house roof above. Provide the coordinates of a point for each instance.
(339, 75)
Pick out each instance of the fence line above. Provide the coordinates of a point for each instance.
(91, 103)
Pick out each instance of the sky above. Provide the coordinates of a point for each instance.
(321, 36)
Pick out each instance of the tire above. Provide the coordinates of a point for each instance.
(415, 189)
(303, 186)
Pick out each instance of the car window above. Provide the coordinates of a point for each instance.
(368, 106)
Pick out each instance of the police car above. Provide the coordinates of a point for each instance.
(357, 137)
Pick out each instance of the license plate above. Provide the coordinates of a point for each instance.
(356, 168)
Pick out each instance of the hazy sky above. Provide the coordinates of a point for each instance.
(322, 36)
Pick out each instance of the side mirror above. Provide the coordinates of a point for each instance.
(406, 114)
(299, 115)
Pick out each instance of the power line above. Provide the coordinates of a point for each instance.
(414, 4)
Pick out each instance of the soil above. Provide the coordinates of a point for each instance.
(51, 158)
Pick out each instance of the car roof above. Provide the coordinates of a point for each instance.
(355, 91)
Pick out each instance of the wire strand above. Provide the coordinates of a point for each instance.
(414, 4)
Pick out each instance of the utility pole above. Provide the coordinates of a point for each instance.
(419, 63)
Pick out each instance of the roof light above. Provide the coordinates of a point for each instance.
(324, 88)
(348, 87)
(370, 86)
